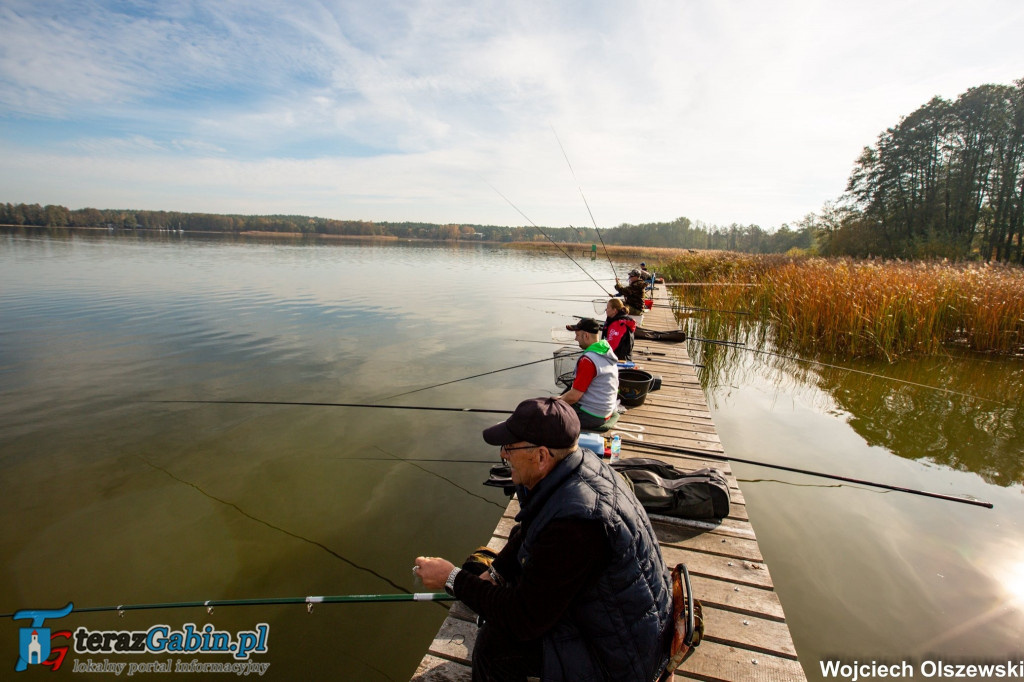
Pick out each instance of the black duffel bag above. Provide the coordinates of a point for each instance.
(662, 489)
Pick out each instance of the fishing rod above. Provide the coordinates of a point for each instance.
(420, 459)
(871, 374)
(267, 601)
(706, 284)
(780, 467)
(712, 310)
(736, 344)
(319, 404)
(717, 342)
(582, 298)
(474, 376)
(562, 343)
(670, 362)
(585, 203)
(566, 253)
(564, 281)
(645, 359)
(840, 367)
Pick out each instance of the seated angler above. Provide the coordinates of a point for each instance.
(619, 328)
(580, 590)
(595, 383)
(633, 292)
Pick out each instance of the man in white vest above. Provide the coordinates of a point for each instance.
(595, 384)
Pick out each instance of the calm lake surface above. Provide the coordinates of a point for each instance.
(110, 497)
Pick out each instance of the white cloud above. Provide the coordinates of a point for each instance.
(722, 111)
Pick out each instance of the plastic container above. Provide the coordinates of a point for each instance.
(648, 303)
(593, 442)
(634, 384)
(616, 447)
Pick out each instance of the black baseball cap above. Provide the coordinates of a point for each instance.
(542, 421)
(586, 324)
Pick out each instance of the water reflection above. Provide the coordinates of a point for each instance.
(963, 411)
(865, 574)
(109, 497)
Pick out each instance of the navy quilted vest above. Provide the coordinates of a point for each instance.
(616, 628)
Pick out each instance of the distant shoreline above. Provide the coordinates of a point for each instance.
(650, 253)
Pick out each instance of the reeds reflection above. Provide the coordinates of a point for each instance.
(960, 410)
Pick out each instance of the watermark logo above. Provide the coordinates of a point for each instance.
(34, 640)
(35, 648)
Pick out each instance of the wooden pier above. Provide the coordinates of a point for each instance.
(746, 636)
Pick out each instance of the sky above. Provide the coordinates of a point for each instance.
(482, 112)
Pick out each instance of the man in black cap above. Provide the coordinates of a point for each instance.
(595, 381)
(580, 590)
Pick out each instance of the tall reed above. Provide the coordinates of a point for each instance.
(860, 308)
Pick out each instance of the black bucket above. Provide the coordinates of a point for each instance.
(633, 386)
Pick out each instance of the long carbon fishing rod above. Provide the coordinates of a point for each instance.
(780, 467)
(319, 404)
(564, 281)
(582, 298)
(643, 359)
(717, 342)
(562, 343)
(707, 284)
(737, 344)
(585, 203)
(420, 459)
(211, 603)
(871, 374)
(712, 310)
(566, 253)
(474, 376)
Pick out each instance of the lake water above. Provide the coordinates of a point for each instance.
(110, 497)
(867, 574)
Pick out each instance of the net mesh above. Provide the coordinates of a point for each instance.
(565, 364)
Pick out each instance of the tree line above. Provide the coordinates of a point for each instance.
(680, 233)
(946, 181)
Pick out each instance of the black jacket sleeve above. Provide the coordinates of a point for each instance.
(566, 556)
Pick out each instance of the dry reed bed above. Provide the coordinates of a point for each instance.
(861, 308)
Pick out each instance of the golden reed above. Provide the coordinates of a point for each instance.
(859, 308)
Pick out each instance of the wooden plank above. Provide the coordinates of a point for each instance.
(435, 669)
(727, 526)
(709, 542)
(714, 662)
(454, 641)
(726, 596)
(738, 571)
(758, 635)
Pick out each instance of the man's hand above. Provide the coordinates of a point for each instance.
(433, 571)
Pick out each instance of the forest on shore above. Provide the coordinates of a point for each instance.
(947, 181)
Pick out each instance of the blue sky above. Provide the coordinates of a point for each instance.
(719, 110)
